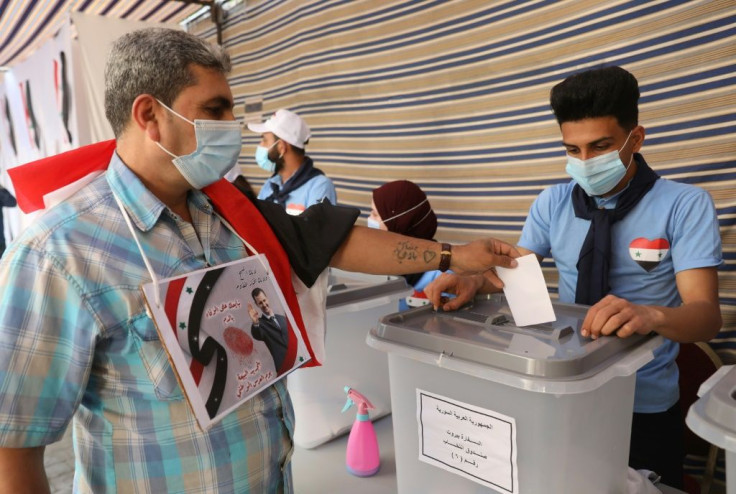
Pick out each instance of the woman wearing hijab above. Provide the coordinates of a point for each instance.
(402, 207)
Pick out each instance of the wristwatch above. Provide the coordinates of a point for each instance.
(445, 256)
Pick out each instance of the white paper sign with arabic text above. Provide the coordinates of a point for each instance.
(469, 441)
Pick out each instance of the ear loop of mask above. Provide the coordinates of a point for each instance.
(402, 214)
(632, 153)
(174, 112)
(281, 155)
(178, 115)
(154, 278)
(422, 219)
(617, 151)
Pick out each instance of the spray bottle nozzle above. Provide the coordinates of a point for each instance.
(354, 397)
(349, 402)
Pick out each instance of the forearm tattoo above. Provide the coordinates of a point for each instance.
(407, 251)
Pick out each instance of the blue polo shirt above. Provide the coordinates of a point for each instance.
(312, 192)
(673, 228)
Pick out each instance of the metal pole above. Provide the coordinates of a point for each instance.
(216, 14)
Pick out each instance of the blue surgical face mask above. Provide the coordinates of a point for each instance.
(218, 148)
(598, 175)
(371, 223)
(262, 158)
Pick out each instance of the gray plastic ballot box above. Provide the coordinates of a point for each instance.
(355, 302)
(480, 405)
(713, 417)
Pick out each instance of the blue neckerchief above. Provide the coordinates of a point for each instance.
(304, 174)
(595, 255)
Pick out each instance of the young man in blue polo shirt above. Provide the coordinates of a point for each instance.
(640, 249)
(295, 184)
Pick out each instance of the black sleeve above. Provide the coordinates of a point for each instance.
(312, 238)
(6, 198)
(255, 331)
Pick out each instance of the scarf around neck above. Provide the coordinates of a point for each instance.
(594, 261)
(304, 174)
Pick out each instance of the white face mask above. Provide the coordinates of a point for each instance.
(598, 175)
(218, 148)
(262, 157)
(371, 223)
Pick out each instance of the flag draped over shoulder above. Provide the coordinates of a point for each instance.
(42, 184)
(46, 182)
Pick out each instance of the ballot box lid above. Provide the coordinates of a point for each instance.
(481, 338)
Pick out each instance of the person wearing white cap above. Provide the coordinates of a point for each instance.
(295, 184)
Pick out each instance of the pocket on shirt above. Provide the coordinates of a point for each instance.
(155, 359)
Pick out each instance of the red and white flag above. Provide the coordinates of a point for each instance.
(648, 253)
(44, 183)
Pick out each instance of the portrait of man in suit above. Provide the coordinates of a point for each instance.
(270, 328)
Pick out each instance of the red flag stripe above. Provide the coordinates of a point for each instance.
(171, 302)
(645, 243)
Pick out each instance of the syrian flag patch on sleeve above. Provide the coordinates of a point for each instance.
(648, 253)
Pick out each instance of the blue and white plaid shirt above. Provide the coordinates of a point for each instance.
(75, 337)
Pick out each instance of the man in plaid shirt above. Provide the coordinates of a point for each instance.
(75, 339)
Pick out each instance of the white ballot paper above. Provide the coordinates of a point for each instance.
(526, 292)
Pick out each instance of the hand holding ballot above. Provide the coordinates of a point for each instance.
(523, 286)
(373, 251)
(479, 255)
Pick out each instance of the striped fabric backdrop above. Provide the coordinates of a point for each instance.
(454, 96)
(27, 24)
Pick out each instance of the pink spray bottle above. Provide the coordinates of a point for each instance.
(362, 457)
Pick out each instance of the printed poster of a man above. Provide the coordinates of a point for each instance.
(228, 333)
(270, 328)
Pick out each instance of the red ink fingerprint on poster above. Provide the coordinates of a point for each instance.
(238, 341)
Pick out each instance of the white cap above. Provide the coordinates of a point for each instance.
(285, 125)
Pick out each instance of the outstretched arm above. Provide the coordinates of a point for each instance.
(465, 287)
(374, 251)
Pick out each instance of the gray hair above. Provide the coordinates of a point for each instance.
(154, 61)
